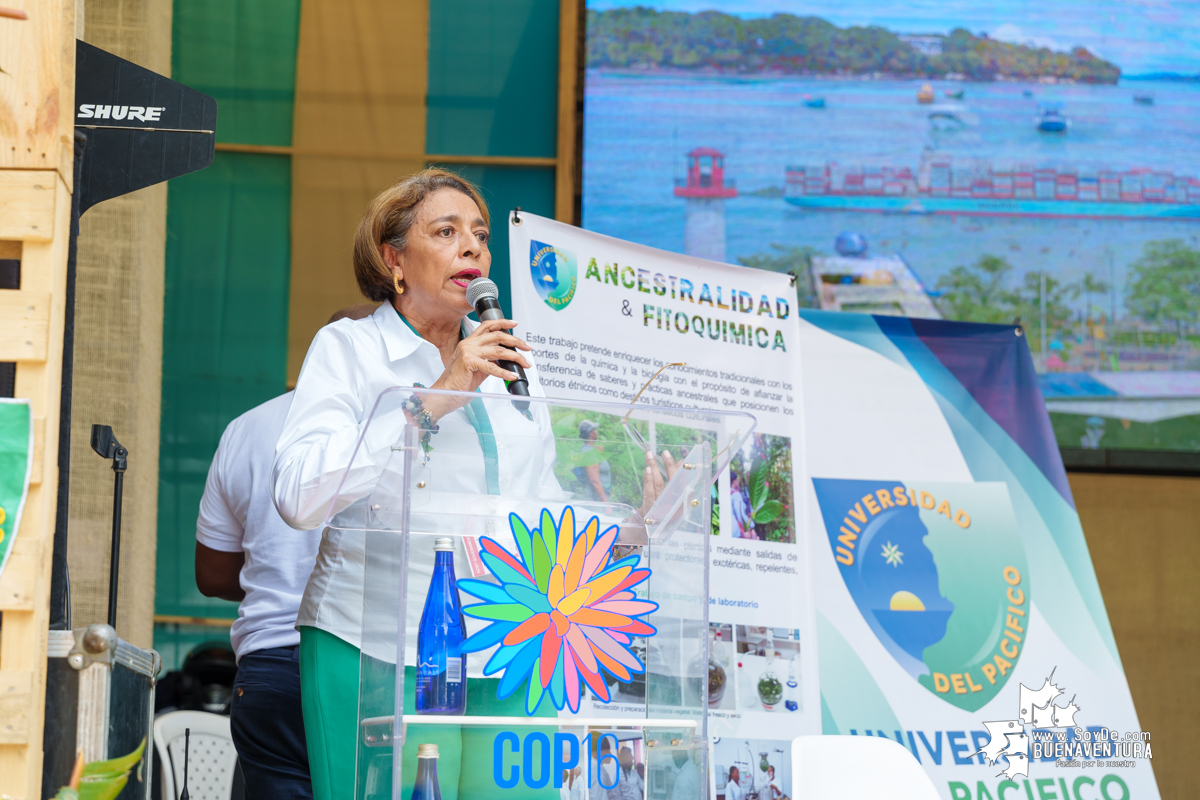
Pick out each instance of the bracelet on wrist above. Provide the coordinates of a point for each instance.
(415, 408)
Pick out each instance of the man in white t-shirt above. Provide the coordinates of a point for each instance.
(246, 553)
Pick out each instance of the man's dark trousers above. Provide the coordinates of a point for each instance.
(268, 725)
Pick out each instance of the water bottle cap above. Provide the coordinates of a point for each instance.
(443, 544)
(427, 751)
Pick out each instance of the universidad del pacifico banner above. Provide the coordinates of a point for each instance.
(897, 550)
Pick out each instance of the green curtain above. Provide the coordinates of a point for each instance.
(244, 55)
(493, 90)
(224, 340)
(227, 266)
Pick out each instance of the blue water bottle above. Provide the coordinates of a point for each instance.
(441, 665)
(426, 786)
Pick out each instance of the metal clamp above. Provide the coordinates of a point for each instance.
(95, 644)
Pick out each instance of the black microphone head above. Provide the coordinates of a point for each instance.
(480, 288)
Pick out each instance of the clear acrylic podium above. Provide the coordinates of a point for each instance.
(582, 580)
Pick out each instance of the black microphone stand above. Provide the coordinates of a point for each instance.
(104, 443)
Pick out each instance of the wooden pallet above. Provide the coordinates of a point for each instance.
(37, 100)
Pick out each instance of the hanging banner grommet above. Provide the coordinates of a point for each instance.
(516, 216)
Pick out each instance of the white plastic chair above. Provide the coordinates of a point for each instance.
(211, 755)
(856, 768)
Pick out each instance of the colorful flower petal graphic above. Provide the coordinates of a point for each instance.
(563, 615)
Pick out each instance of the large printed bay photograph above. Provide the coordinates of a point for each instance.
(1015, 163)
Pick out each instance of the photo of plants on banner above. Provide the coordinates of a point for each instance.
(984, 163)
(597, 460)
(564, 613)
(760, 490)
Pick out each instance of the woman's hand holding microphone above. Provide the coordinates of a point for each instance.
(474, 360)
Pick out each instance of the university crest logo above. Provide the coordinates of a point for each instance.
(555, 274)
(938, 572)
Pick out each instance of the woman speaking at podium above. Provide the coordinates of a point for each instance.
(419, 245)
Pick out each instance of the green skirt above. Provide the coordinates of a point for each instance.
(330, 691)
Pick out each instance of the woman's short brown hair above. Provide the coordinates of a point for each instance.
(388, 219)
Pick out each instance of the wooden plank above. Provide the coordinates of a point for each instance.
(15, 689)
(27, 204)
(37, 95)
(380, 155)
(568, 51)
(24, 634)
(492, 161)
(37, 470)
(19, 581)
(24, 325)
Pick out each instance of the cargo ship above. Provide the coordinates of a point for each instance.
(942, 184)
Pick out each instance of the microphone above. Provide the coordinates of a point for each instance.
(483, 294)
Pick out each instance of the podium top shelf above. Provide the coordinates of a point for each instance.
(561, 722)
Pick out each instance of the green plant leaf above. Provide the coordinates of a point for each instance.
(104, 780)
(114, 766)
(102, 788)
(769, 512)
(758, 485)
(67, 793)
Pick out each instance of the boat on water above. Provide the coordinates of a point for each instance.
(925, 95)
(1051, 119)
(957, 94)
(814, 102)
(1146, 99)
(943, 184)
(945, 121)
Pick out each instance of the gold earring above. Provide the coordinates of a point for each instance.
(396, 283)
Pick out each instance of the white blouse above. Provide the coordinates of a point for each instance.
(348, 366)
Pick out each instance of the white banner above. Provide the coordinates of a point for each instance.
(603, 315)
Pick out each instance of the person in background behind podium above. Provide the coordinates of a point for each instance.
(246, 553)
